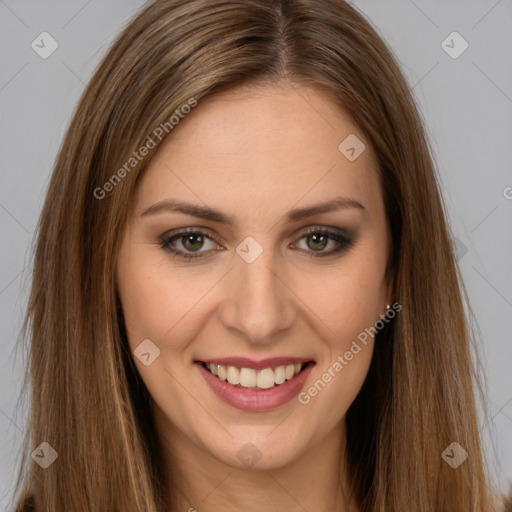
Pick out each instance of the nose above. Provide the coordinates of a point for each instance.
(259, 303)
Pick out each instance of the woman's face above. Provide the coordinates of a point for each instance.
(287, 244)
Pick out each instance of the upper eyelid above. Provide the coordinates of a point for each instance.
(178, 233)
(206, 231)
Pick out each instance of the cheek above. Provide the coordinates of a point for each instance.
(156, 300)
(155, 309)
(349, 348)
(348, 300)
(335, 388)
(348, 303)
(144, 306)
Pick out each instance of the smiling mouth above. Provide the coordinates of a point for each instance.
(249, 378)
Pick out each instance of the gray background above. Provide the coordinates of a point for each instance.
(466, 103)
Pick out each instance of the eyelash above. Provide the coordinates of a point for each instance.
(338, 237)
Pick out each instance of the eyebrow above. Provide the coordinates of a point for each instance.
(211, 214)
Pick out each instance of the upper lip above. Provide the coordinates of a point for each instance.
(246, 362)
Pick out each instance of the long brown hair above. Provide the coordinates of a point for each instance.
(87, 400)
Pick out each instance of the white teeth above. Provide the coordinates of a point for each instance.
(247, 377)
(279, 375)
(222, 372)
(233, 375)
(250, 378)
(265, 378)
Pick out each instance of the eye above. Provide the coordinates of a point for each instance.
(317, 239)
(190, 240)
(188, 243)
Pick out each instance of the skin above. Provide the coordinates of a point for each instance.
(282, 142)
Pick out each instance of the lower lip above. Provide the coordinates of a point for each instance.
(256, 400)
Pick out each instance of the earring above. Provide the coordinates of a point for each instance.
(388, 307)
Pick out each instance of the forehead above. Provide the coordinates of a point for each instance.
(261, 149)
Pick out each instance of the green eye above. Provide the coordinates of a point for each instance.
(318, 239)
(192, 241)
